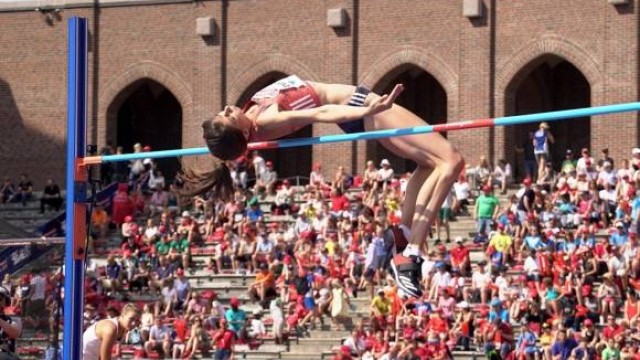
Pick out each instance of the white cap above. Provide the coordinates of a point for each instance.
(186, 214)
(459, 239)
(385, 162)
(463, 305)
(635, 151)
(147, 161)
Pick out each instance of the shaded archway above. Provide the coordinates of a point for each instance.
(550, 83)
(146, 112)
(287, 162)
(423, 95)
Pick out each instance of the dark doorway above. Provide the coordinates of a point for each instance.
(553, 84)
(423, 95)
(289, 162)
(152, 116)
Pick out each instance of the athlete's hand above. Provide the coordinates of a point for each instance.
(385, 101)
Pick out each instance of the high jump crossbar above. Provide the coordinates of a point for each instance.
(380, 134)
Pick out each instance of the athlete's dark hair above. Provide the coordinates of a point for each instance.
(203, 174)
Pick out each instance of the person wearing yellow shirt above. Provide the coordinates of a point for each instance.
(501, 243)
(380, 308)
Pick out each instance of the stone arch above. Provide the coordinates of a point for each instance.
(515, 69)
(423, 59)
(272, 63)
(118, 89)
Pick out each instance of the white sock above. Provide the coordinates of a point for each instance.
(411, 250)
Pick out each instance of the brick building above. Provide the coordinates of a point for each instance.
(153, 79)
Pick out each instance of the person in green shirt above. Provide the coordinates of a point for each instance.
(486, 211)
(163, 246)
(180, 250)
(612, 351)
(569, 163)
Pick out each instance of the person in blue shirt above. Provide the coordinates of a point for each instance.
(533, 241)
(620, 237)
(541, 140)
(498, 311)
(254, 213)
(236, 317)
(526, 344)
(563, 346)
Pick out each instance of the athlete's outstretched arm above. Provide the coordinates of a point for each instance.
(332, 113)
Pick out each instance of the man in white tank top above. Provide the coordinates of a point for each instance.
(98, 340)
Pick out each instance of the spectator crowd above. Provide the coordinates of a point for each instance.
(555, 271)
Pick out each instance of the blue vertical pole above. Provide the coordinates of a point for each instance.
(76, 188)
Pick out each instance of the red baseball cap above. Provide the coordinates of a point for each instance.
(180, 272)
(128, 218)
(527, 181)
(269, 163)
(486, 189)
(234, 302)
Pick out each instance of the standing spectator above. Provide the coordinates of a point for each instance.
(37, 298)
(444, 216)
(51, 197)
(541, 141)
(100, 222)
(487, 208)
(106, 169)
(10, 327)
(7, 191)
(528, 156)
(122, 205)
(605, 158)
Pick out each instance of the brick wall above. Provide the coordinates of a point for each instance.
(479, 63)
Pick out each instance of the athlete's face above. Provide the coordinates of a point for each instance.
(130, 320)
(233, 116)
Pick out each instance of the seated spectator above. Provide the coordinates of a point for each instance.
(159, 338)
(563, 345)
(147, 320)
(236, 318)
(462, 196)
(502, 176)
(266, 181)
(264, 286)
(385, 174)
(498, 336)
(158, 201)
(283, 199)
(370, 177)
(51, 197)
(500, 247)
(7, 191)
(24, 191)
(479, 175)
(480, 284)
(122, 205)
(112, 281)
(197, 307)
(257, 329)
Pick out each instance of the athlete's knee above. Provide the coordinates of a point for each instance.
(452, 165)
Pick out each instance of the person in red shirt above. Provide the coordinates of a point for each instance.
(460, 257)
(339, 201)
(611, 329)
(499, 335)
(380, 344)
(224, 340)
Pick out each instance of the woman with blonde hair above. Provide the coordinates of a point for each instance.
(541, 140)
